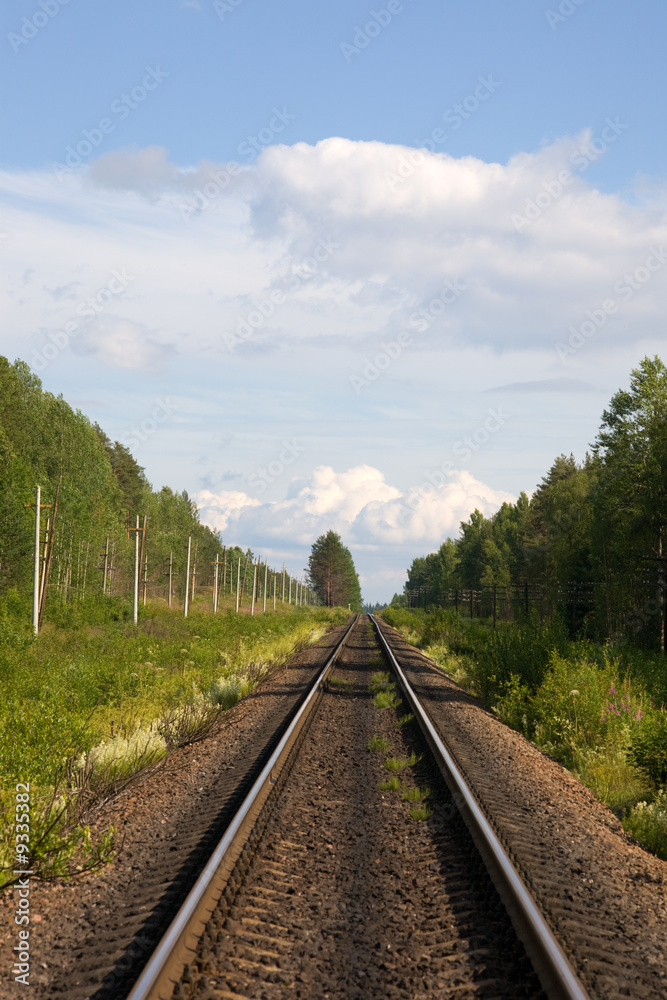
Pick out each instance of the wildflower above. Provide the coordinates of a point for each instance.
(574, 693)
(639, 716)
(612, 690)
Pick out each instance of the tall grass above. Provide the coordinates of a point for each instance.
(94, 699)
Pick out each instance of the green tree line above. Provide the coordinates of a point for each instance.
(595, 528)
(101, 491)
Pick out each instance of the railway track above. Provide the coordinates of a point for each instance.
(360, 864)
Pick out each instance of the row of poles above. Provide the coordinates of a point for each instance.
(42, 566)
(302, 591)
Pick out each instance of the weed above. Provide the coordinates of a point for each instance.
(416, 794)
(421, 812)
(381, 681)
(378, 743)
(339, 684)
(386, 699)
(399, 763)
(390, 785)
(405, 720)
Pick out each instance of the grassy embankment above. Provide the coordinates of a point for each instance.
(93, 700)
(600, 711)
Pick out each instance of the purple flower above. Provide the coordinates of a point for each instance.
(612, 690)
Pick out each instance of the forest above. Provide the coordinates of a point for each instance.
(100, 489)
(587, 543)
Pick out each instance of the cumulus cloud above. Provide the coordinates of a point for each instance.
(366, 510)
(402, 223)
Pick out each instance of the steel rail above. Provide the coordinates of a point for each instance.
(557, 976)
(165, 967)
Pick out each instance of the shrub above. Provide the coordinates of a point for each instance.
(647, 822)
(649, 748)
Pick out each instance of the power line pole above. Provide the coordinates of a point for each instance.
(35, 587)
(187, 580)
(238, 585)
(215, 586)
(135, 589)
(266, 573)
(49, 553)
(254, 588)
(283, 583)
(106, 567)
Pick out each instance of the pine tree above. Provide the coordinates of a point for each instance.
(332, 574)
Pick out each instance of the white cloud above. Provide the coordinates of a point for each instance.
(397, 243)
(371, 516)
(122, 344)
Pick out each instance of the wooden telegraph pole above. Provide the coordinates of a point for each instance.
(171, 568)
(137, 564)
(266, 573)
(254, 588)
(187, 580)
(238, 584)
(105, 573)
(49, 553)
(36, 580)
(215, 585)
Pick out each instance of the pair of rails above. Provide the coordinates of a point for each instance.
(178, 946)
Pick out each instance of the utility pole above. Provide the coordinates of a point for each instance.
(49, 553)
(36, 580)
(274, 591)
(290, 590)
(135, 590)
(187, 580)
(35, 586)
(266, 573)
(171, 567)
(143, 541)
(215, 586)
(254, 588)
(145, 578)
(106, 567)
(283, 583)
(238, 585)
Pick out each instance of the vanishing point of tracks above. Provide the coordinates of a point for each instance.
(360, 865)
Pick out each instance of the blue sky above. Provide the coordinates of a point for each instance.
(298, 316)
